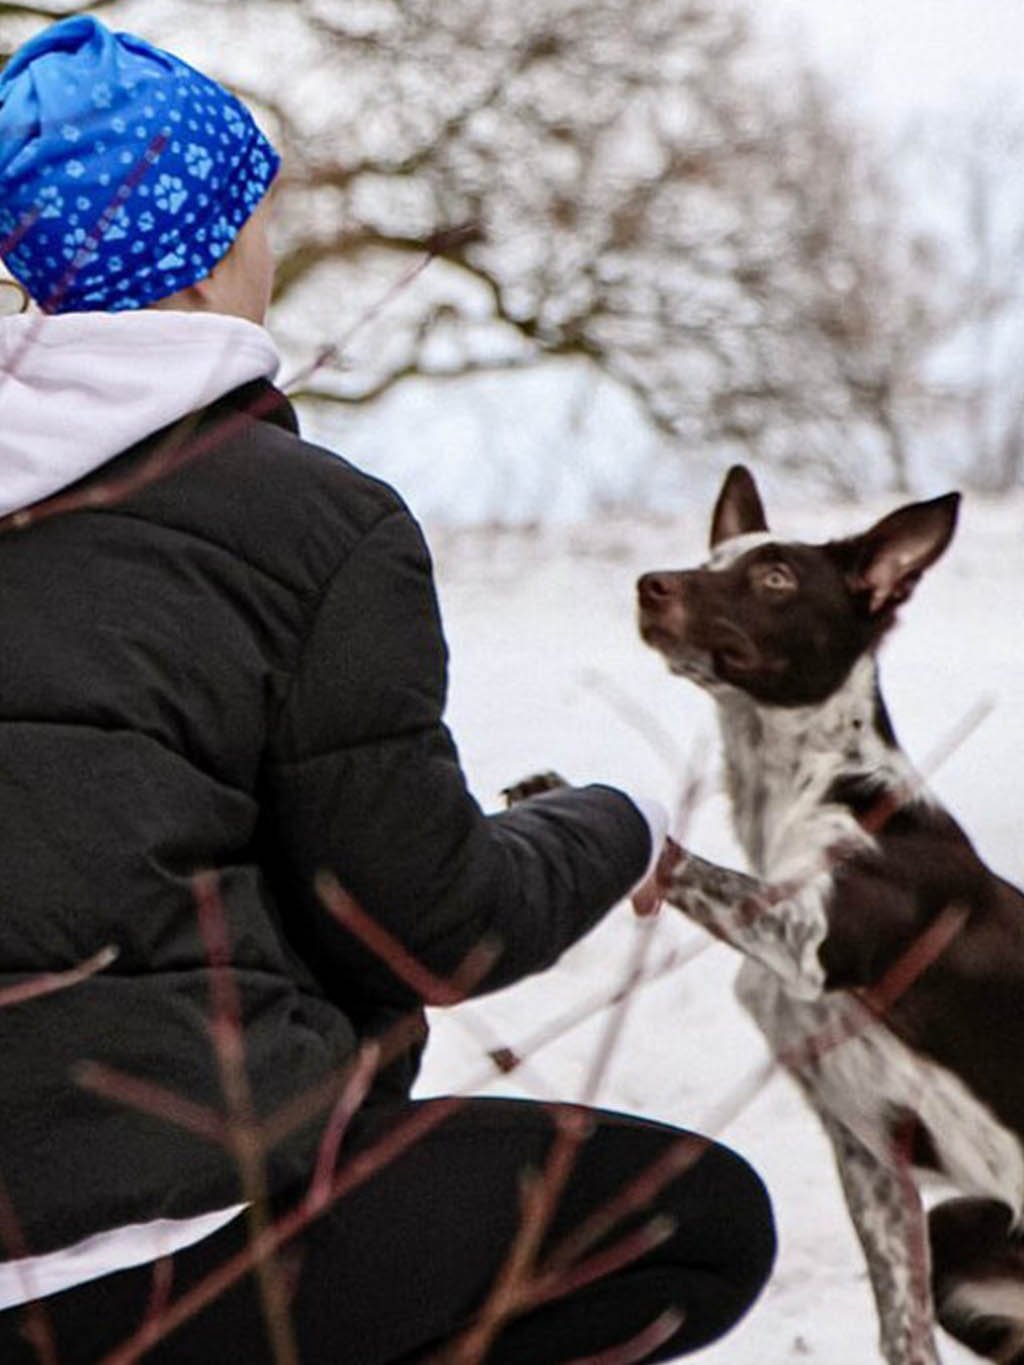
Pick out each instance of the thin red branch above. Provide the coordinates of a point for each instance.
(355, 1172)
(180, 448)
(149, 1097)
(159, 1293)
(295, 1113)
(640, 1347)
(515, 1283)
(890, 802)
(37, 1327)
(50, 982)
(172, 454)
(437, 245)
(638, 1193)
(96, 234)
(615, 1023)
(872, 1004)
(919, 1249)
(551, 1285)
(10, 242)
(540, 1197)
(328, 1185)
(431, 988)
(927, 948)
(227, 1030)
(353, 1095)
(508, 1059)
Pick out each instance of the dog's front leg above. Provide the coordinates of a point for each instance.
(892, 1226)
(780, 926)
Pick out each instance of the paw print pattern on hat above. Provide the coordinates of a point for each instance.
(125, 174)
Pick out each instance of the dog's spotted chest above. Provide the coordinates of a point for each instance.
(782, 762)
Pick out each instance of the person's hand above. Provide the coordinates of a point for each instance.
(648, 896)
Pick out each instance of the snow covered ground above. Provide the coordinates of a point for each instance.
(547, 673)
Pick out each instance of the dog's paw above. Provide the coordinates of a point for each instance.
(648, 896)
(533, 785)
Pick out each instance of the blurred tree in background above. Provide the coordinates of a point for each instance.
(637, 188)
(973, 169)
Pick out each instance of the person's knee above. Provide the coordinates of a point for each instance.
(725, 1215)
(756, 1237)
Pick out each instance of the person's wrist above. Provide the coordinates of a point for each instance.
(656, 818)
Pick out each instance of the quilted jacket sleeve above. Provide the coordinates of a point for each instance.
(366, 784)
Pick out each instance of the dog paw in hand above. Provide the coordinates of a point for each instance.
(533, 785)
(647, 898)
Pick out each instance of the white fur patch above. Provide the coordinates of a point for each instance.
(862, 1080)
(781, 761)
(1003, 1299)
(728, 551)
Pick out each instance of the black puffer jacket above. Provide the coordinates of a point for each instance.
(240, 667)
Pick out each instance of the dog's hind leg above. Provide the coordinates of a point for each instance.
(978, 1276)
(891, 1224)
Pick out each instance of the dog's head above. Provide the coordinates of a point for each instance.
(780, 620)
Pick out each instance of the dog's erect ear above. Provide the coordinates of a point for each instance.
(886, 562)
(738, 509)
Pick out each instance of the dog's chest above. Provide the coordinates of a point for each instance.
(780, 764)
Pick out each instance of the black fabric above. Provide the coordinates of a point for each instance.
(451, 1204)
(237, 666)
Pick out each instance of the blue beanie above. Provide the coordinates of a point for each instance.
(125, 174)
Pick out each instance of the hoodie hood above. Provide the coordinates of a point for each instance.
(78, 389)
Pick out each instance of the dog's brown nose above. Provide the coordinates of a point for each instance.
(654, 589)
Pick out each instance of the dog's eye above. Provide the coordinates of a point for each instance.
(775, 578)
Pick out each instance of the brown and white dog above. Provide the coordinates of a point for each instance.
(884, 960)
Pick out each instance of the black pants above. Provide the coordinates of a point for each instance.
(400, 1265)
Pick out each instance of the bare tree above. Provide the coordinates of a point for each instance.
(973, 169)
(634, 187)
(12, 9)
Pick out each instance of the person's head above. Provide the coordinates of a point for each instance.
(129, 180)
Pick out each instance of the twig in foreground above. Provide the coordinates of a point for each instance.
(37, 1327)
(515, 1286)
(227, 1031)
(49, 982)
(639, 1348)
(356, 1171)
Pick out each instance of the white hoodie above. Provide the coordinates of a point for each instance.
(78, 389)
(75, 391)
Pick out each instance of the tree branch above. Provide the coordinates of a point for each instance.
(11, 9)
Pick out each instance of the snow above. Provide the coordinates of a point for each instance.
(547, 672)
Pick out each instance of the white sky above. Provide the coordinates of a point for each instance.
(911, 56)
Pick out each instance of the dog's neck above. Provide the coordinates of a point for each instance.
(782, 763)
